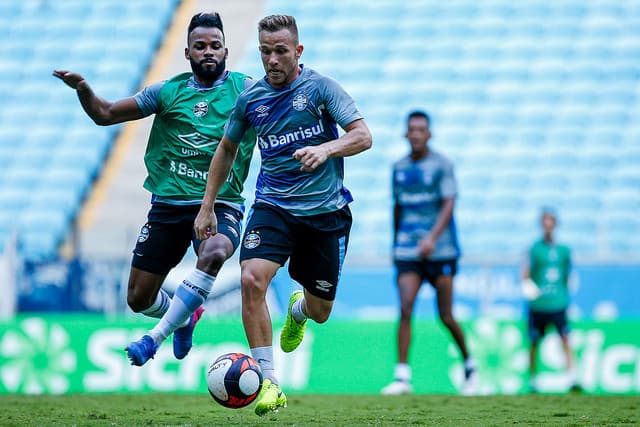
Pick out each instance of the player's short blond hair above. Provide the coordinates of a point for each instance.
(273, 23)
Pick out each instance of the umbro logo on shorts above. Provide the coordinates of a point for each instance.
(323, 285)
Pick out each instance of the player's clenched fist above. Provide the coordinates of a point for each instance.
(206, 224)
(311, 157)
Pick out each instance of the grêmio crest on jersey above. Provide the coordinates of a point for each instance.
(300, 101)
(201, 109)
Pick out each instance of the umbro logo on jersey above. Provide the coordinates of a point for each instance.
(262, 110)
(323, 285)
(197, 140)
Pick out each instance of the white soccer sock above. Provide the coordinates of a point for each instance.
(159, 306)
(469, 363)
(297, 310)
(402, 372)
(264, 357)
(190, 295)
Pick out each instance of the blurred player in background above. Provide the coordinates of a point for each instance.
(190, 113)
(546, 286)
(301, 212)
(425, 243)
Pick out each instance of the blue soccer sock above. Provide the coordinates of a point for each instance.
(264, 357)
(191, 294)
(159, 306)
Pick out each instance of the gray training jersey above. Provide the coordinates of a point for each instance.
(419, 188)
(303, 114)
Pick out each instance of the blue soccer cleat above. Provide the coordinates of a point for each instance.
(183, 337)
(142, 350)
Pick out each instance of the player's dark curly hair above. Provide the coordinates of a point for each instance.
(207, 20)
(418, 113)
(273, 23)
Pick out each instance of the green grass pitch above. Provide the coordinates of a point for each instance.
(159, 409)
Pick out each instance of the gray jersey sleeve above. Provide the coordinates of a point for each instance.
(148, 99)
(339, 103)
(237, 124)
(448, 186)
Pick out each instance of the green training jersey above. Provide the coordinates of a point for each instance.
(550, 266)
(186, 131)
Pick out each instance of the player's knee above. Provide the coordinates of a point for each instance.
(137, 302)
(406, 311)
(211, 260)
(252, 286)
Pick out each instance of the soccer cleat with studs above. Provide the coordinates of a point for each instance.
(142, 350)
(292, 332)
(270, 399)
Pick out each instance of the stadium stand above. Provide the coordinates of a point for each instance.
(50, 152)
(533, 101)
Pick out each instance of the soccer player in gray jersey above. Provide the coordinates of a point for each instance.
(301, 211)
(190, 112)
(425, 242)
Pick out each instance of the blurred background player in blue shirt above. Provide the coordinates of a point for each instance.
(425, 243)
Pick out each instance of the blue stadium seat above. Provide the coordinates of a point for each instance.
(74, 35)
(14, 197)
(534, 101)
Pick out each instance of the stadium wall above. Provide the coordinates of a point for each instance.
(55, 354)
(601, 292)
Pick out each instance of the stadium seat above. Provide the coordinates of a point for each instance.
(75, 35)
(533, 101)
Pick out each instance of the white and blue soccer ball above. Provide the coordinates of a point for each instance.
(234, 380)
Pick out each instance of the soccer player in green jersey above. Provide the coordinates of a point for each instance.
(191, 110)
(546, 286)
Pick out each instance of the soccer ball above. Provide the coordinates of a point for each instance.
(234, 380)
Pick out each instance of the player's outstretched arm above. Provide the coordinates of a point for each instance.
(206, 224)
(357, 138)
(101, 111)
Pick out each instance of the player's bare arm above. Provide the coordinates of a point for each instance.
(101, 111)
(428, 243)
(357, 138)
(206, 224)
